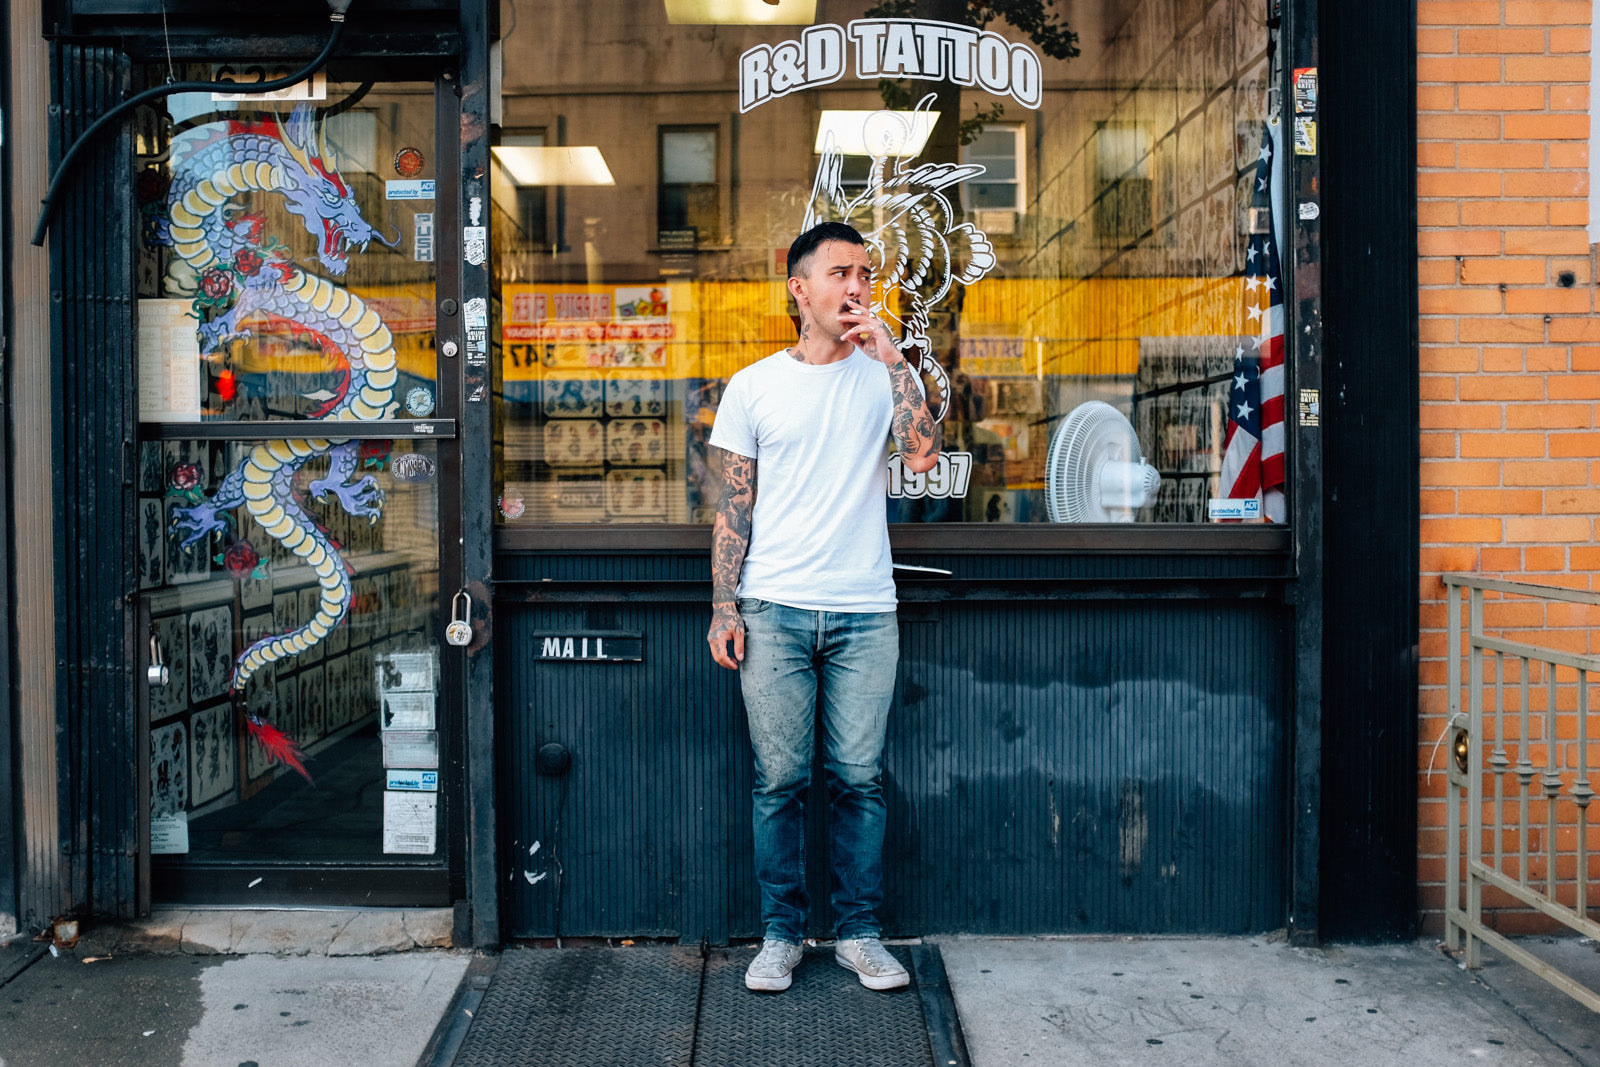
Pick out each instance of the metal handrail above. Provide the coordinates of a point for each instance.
(1529, 766)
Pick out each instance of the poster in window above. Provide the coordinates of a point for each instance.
(212, 753)
(152, 543)
(172, 635)
(574, 443)
(210, 652)
(169, 769)
(575, 399)
(313, 706)
(633, 398)
(636, 442)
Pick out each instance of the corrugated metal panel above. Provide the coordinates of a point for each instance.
(1052, 767)
(91, 241)
(28, 485)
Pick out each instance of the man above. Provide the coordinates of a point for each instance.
(803, 591)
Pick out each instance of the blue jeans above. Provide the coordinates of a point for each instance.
(792, 658)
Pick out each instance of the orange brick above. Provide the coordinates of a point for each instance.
(1460, 301)
(1438, 501)
(1497, 41)
(1436, 154)
(1569, 213)
(1436, 531)
(1501, 560)
(1569, 39)
(1575, 387)
(1436, 330)
(1448, 560)
(1457, 127)
(1436, 389)
(1462, 472)
(1548, 12)
(1549, 416)
(1500, 501)
(1541, 472)
(1460, 416)
(1438, 360)
(1547, 69)
(1503, 360)
(1438, 271)
(1575, 328)
(1555, 183)
(1509, 155)
(1436, 98)
(1460, 243)
(1487, 387)
(1458, 69)
(1436, 445)
(1548, 360)
(1504, 213)
(1546, 242)
(1574, 445)
(1500, 98)
(1436, 41)
(1567, 154)
(1458, 183)
(1503, 272)
(1546, 558)
(1547, 529)
(1549, 301)
(1571, 501)
(1502, 329)
(1569, 97)
(1502, 445)
(1585, 558)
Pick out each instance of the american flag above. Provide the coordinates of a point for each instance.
(1252, 457)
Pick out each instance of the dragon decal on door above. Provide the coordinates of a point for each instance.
(248, 279)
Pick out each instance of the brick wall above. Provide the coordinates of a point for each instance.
(1510, 355)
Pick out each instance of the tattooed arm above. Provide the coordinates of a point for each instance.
(916, 435)
(730, 540)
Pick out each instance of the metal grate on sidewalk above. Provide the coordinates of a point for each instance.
(684, 1007)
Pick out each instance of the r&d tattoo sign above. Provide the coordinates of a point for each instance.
(892, 48)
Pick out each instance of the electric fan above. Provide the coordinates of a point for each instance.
(1096, 472)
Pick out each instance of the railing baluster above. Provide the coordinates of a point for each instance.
(1474, 774)
(1452, 791)
(1524, 772)
(1581, 794)
(1552, 785)
(1498, 760)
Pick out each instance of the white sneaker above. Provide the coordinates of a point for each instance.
(872, 963)
(773, 968)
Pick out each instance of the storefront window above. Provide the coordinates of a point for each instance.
(1079, 250)
(289, 553)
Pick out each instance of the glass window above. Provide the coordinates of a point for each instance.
(285, 271)
(1074, 229)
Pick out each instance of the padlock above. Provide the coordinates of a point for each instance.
(459, 632)
(157, 673)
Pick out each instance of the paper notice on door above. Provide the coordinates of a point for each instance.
(411, 748)
(169, 361)
(169, 834)
(410, 823)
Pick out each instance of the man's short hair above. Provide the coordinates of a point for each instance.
(820, 234)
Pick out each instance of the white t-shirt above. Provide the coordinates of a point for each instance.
(819, 536)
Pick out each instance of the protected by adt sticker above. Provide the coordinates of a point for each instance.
(409, 189)
(1233, 509)
(414, 781)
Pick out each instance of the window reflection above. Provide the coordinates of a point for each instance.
(1096, 248)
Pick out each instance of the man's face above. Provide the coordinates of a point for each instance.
(839, 274)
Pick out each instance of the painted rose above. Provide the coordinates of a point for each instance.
(185, 476)
(248, 261)
(216, 283)
(241, 559)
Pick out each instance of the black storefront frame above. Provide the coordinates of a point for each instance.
(1367, 315)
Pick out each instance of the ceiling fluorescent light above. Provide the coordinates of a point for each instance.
(549, 165)
(875, 133)
(741, 12)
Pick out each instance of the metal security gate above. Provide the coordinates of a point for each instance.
(1075, 753)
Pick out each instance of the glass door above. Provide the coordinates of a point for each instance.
(297, 422)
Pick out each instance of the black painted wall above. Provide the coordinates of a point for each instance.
(1370, 473)
(1091, 763)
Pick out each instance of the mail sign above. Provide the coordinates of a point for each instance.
(589, 646)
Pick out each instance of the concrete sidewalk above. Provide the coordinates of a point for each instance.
(293, 993)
